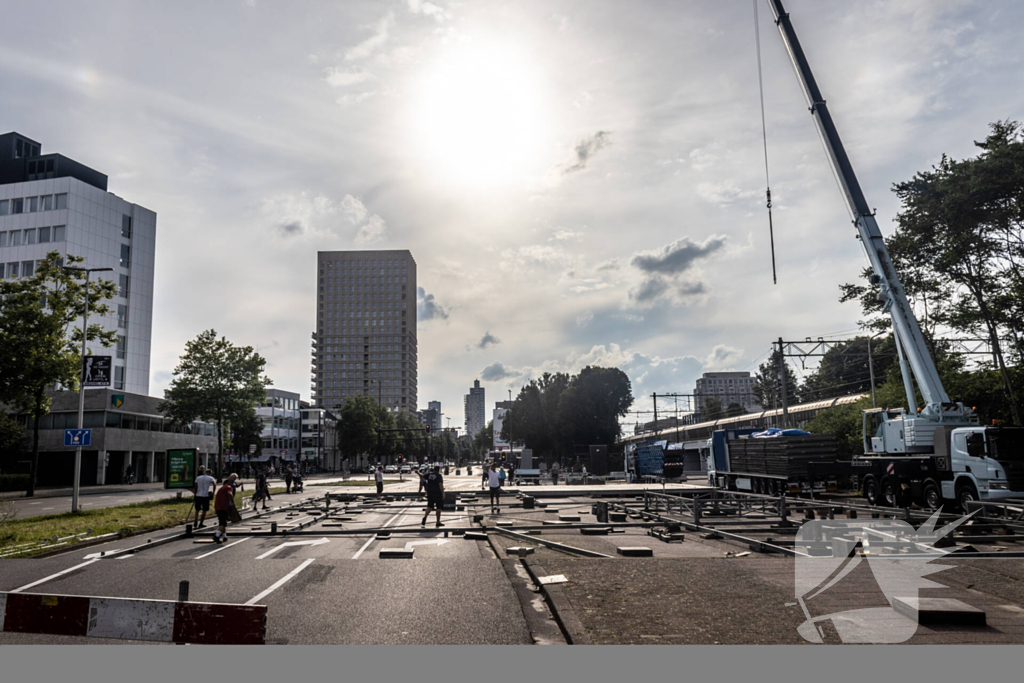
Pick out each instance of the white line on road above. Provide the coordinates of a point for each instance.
(223, 547)
(283, 580)
(372, 538)
(53, 576)
(292, 543)
(47, 508)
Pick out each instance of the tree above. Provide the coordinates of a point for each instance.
(960, 237)
(12, 440)
(483, 440)
(844, 369)
(533, 418)
(215, 381)
(766, 388)
(735, 410)
(591, 405)
(357, 426)
(246, 431)
(39, 341)
(713, 409)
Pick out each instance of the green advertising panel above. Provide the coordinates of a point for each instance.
(181, 468)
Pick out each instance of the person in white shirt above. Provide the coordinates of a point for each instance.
(494, 484)
(584, 474)
(201, 489)
(379, 478)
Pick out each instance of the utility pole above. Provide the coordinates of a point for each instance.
(654, 396)
(781, 365)
(81, 382)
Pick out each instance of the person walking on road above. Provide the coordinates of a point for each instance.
(584, 474)
(434, 484)
(223, 503)
(201, 490)
(262, 491)
(501, 476)
(288, 479)
(423, 479)
(511, 475)
(494, 483)
(379, 478)
(483, 482)
(554, 474)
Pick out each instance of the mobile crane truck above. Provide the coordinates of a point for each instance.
(928, 455)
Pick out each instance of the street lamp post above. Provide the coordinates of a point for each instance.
(81, 381)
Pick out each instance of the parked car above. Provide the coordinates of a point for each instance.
(406, 469)
(390, 469)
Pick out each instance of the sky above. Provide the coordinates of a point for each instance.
(579, 182)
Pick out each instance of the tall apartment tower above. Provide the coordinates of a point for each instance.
(49, 202)
(475, 413)
(365, 339)
(435, 406)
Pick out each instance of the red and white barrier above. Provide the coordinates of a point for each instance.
(128, 619)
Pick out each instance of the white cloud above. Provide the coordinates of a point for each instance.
(427, 9)
(380, 36)
(354, 209)
(722, 357)
(373, 231)
(338, 76)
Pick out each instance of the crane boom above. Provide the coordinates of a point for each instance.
(908, 332)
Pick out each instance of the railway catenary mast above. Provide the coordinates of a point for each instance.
(914, 357)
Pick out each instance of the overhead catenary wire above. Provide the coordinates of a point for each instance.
(764, 140)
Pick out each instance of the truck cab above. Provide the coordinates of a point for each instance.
(986, 463)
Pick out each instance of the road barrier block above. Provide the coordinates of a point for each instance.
(130, 619)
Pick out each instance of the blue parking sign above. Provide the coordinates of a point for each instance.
(77, 437)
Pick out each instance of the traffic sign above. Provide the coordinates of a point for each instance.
(77, 437)
(96, 371)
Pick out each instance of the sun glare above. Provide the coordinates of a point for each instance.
(478, 115)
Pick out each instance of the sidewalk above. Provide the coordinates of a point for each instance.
(249, 484)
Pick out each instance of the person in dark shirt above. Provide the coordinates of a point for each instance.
(435, 494)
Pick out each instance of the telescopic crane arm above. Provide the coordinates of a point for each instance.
(908, 332)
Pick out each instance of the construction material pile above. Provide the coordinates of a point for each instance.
(781, 456)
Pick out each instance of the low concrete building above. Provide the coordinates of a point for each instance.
(128, 430)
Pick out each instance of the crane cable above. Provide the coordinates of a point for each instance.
(764, 139)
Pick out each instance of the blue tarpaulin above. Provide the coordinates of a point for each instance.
(774, 432)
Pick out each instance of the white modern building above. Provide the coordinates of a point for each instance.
(319, 438)
(365, 339)
(281, 416)
(498, 416)
(49, 202)
(727, 387)
(475, 409)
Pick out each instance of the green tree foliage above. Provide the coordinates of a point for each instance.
(843, 422)
(735, 410)
(412, 442)
(12, 442)
(246, 431)
(767, 389)
(357, 426)
(40, 345)
(483, 441)
(713, 410)
(959, 248)
(216, 381)
(556, 411)
(844, 369)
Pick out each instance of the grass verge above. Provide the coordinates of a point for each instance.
(123, 520)
(352, 483)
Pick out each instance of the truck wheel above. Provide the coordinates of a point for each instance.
(871, 491)
(966, 494)
(931, 497)
(889, 494)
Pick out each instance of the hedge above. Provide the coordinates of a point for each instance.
(13, 482)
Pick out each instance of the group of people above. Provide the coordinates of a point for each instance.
(223, 502)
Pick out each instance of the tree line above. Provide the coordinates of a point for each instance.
(558, 411)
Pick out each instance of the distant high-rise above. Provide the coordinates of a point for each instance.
(436, 407)
(49, 202)
(365, 339)
(475, 412)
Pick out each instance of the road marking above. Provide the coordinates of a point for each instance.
(125, 557)
(224, 547)
(47, 508)
(290, 575)
(53, 576)
(36, 503)
(433, 541)
(319, 541)
(373, 538)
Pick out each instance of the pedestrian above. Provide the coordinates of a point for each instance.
(223, 503)
(584, 474)
(501, 476)
(511, 475)
(379, 478)
(554, 474)
(423, 479)
(288, 479)
(128, 475)
(435, 495)
(494, 482)
(262, 491)
(201, 490)
(483, 483)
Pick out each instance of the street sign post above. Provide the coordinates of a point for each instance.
(78, 437)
